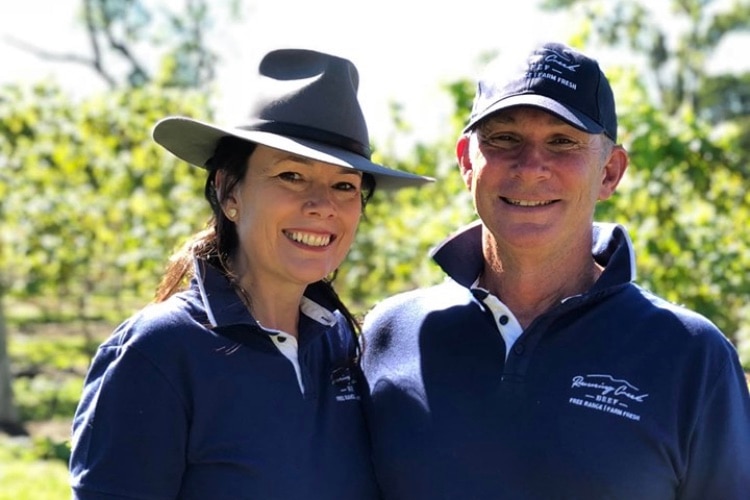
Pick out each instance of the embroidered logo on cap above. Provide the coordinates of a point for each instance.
(553, 66)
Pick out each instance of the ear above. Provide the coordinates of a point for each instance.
(464, 160)
(613, 171)
(228, 200)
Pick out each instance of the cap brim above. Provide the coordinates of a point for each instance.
(570, 115)
(195, 142)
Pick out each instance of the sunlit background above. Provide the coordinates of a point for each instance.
(96, 245)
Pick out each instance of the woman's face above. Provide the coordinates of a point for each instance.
(296, 218)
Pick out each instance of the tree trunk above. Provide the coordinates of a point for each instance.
(9, 420)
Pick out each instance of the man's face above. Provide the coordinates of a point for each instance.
(536, 179)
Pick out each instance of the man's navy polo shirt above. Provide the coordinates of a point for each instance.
(612, 394)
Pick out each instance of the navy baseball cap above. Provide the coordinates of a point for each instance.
(556, 78)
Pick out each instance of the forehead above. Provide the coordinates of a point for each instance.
(266, 157)
(521, 114)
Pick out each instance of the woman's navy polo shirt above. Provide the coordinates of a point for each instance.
(191, 399)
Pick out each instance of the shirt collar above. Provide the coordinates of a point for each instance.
(224, 307)
(460, 255)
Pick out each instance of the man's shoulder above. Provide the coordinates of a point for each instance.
(682, 324)
(395, 325)
(415, 303)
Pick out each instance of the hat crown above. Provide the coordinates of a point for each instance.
(554, 77)
(310, 95)
(305, 103)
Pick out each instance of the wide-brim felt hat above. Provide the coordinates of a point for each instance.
(304, 102)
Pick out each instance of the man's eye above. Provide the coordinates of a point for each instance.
(564, 143)
(496, 140)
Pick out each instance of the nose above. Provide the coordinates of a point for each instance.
(319, 202)
(531, 162)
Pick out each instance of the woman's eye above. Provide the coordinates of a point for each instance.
(345, 186)
(290, 176)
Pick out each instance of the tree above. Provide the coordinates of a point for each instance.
(684, 197)
(9, 420)
(136, 42)
(389, 254)
(688, 134)
(73, 172)
(675, 51)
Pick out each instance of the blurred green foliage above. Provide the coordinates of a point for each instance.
(49, 369)
(49, 374)
(686, 202)
(687, 129)
(91, 206)
(26, 476)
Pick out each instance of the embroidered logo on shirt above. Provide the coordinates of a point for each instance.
(607, 394)
(344, 384)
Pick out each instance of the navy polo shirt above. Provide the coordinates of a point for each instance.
(612, 394)
(192, 399)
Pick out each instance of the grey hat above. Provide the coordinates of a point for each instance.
(305, 102)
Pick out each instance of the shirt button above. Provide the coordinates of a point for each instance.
(503, 320)
(518, 349)
(281, 338)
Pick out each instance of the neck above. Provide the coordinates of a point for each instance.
(271, 309)
(273, 304)
(531, 285)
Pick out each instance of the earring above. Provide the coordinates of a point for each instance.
(231, 214)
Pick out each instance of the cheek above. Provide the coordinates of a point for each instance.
(482, 185)
(351, 218)
(350, 215)
(257, 219)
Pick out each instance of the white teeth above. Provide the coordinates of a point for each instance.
(313, 240)
(527, 203)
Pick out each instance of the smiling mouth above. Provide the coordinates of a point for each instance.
(527, 203)
(310, 239)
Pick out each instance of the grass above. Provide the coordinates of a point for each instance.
(33, 469)
(49, 361)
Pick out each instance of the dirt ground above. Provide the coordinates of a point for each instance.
(56, 430)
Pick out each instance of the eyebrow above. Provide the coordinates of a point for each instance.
(308, 161)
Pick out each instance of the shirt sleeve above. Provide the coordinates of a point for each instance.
(129, 431)
(719, 456)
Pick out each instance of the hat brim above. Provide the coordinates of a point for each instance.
(195, 142)
(569, 115)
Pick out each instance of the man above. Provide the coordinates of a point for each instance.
(539, 369)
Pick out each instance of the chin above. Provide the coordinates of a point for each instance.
(528, 235)
(311, 274)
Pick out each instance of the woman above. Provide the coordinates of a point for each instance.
(246, 384)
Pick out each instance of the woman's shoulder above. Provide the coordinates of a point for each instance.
(161, 323)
